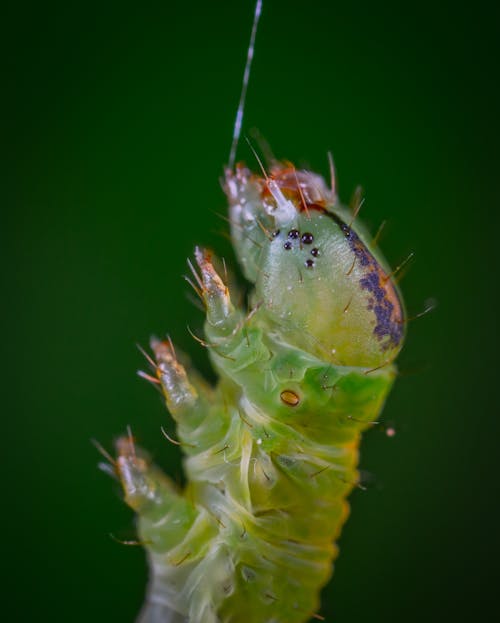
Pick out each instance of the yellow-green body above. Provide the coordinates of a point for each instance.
(271, 451)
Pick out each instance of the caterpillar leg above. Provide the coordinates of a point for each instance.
(147, 490)
(222, 317)
(185, 404)
(233, 345)
(177, 534)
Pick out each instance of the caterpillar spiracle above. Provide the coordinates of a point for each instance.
(271, 451)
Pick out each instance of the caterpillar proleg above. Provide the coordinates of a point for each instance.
(271, 451)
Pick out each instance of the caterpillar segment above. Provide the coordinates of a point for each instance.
(271, 452)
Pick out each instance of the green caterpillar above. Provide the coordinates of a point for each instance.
(271, 451)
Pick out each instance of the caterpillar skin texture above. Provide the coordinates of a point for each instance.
(271, 452)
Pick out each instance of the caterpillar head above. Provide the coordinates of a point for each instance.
(319, 284)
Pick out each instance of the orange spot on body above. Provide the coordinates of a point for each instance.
(289, 397)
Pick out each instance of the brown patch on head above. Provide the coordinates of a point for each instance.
(306, 190)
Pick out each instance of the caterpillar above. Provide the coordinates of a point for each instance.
(270, 451)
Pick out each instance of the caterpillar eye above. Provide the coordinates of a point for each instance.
(289, 398)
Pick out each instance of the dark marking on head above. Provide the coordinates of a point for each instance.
(315, 252)
(294, 234)
(384, 300)
(287, 245)
(276, 233)
(309, 263)
(307, 238)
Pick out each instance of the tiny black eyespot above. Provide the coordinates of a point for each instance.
(309, 263)
(276, 233)
(307, 238)
(315, 252)
(294, 234)
(287, 245)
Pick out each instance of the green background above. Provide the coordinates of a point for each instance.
(116, 125)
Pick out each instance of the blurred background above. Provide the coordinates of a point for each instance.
(117, 122)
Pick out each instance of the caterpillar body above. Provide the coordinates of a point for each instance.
(271, 451)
